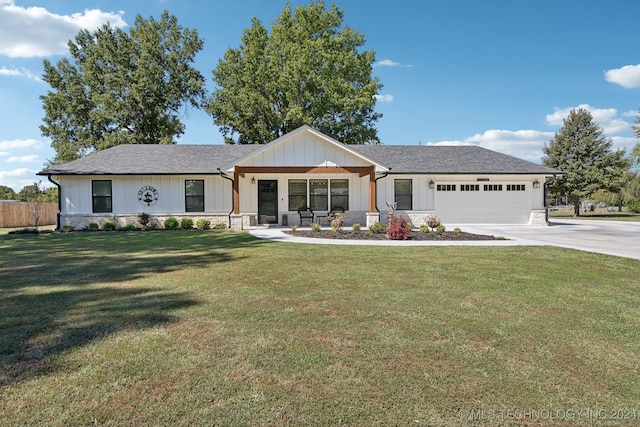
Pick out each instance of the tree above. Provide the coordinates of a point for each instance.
(581, 151)
(307, 70)
(7, 193)
(122, 88)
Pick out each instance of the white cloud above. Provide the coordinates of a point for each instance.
(28, 32)
(607, 118)
(18, 178)
(383, 98)
(19, 143)
(23, 159)
(389, 63)
(623, 142)
(627, 76)
(524, 144)
(22, 72)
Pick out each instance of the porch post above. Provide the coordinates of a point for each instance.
(372, 190)
(236, 192)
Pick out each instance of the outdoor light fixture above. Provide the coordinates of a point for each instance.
(536, 183)
(431, 184)
(253, 179)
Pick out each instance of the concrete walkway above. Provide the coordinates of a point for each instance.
(606, 237)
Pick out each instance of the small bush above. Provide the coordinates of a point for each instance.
(378, 228)
(109, 226)
(143, 219)
(93, 226)
(398, 229)
(356, 227)
(186, 223)
(441, 229)
(634, 206)
(457, 230)
(294, 228)
(315, 227)
(170, 223)
(424, 228)
(432, 221)
(128, 227)
(221, 226)
(203, 224)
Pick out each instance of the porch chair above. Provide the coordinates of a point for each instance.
(306, 214)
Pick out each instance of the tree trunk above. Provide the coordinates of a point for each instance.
(576, 208)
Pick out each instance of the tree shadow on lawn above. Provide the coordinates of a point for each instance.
(36, 327)
(59, 292)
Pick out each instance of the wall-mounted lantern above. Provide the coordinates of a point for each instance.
(253, 179)
(432, 184)
(536, 183)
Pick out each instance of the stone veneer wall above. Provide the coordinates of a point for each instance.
(539, 217)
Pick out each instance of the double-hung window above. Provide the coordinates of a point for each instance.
(194, 195)
(340, 193)
(318, 194)
(101, 196)
(403, 190)
(297, 194)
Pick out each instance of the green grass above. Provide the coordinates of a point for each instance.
(598, 214)
(218, 328)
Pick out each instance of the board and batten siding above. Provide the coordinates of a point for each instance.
(304, 150)
(77, 198)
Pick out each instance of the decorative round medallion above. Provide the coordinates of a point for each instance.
(148, 195)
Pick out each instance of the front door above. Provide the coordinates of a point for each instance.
(267, 202)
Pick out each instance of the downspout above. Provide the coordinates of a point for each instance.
(59, 201)
(376, 182)
(222, 174)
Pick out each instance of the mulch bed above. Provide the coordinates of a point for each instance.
(367, 235)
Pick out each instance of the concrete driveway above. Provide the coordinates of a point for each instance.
(606, 237)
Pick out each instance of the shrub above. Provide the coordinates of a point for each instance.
(171, 223)
(315, 227)
(457, 230)
(203, 224)
(68, 228)
(109, 226)
(93, 226)
(432, 221)
(186, 223)
(143, 219)
(634, 206)
(398, 229)
(378, 228)
(424, 228)
(128, 227)
(294, 228)
(221, 226)
(356, 227)
(441, 229)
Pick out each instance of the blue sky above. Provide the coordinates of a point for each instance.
(501, 74)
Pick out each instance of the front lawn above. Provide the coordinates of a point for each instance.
(219, 328)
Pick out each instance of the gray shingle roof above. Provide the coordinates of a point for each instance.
(449, 159)
(140, 159)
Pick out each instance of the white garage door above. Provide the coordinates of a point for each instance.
(472, 204)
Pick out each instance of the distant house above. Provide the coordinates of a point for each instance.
(244, 185)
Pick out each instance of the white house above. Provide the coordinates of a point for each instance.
(243, 185)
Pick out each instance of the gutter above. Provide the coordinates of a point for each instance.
(376, 182)
(59, 201)
(222, 174)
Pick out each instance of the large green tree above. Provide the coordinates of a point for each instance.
(7, 193)
(122, 87)
(307, 70)
(581, 151)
